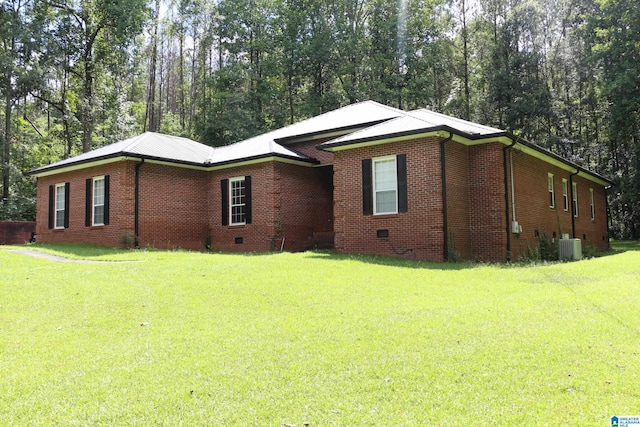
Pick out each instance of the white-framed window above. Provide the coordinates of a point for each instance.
(98, 200)
(552, 194)
(237, 201)
(574, 191)
(592, 204)
(385, 185)
(565, 194)
(60, 207)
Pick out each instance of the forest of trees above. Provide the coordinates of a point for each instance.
(79, 74)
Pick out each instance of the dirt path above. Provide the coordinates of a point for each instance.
(49, 257)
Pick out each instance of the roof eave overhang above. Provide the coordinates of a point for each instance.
(262, 159)
(330, 133)
(438, 131)
(464, 138)
(553, 159)
(70, 167)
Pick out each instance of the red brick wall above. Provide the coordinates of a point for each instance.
(121, 209)
(173, 207)
(416, 233)
(16, 232)
(487, 203)
(458, 214)
(305, 202)
(533, 211)
(257, 235)
(308, 148)
(297, 197)
(475, 202)
(180, 207)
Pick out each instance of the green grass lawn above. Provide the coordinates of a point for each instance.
(177, 338)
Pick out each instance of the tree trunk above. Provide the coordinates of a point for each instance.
(6, 151)
(87, 103)
(150, 116)
(181, 88)
(465, 53)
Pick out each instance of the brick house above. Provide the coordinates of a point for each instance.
(366, 178)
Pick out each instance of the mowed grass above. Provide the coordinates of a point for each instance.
(317, 339)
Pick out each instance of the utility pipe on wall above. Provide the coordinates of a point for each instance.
(136, 209)
(513, 190)
(573, 208)
(506, 194)
(445, 215)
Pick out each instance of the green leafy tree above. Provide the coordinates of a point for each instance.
(617, 30)
(96, 34)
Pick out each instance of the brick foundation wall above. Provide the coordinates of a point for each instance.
(121, 209)
(16, 232)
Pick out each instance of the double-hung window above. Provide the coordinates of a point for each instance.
(385, 185)
(552, 195)
(237, 198)
(98, 200)
(565, 194)
(60, 205)
(574, 196)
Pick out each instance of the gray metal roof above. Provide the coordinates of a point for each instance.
(346, 118)
(414, 122)
(147, 145)
(174, 149)
(356, 123)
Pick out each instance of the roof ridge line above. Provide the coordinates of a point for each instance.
(453, 118)
(402, 115)
(137, 140)
(388, 107)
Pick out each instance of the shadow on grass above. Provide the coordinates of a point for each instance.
(87, 251)
(392, 261)
(620, 246)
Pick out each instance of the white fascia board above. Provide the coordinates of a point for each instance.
(257, 161)
(503, 139)
(315, 137)
(560, 164)
(439, 133)
(87, 165)
(84, 165)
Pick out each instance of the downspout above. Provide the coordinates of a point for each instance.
(445, 220)
(573, 213)
(607, 207)
(506, 194)
(136, 209)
